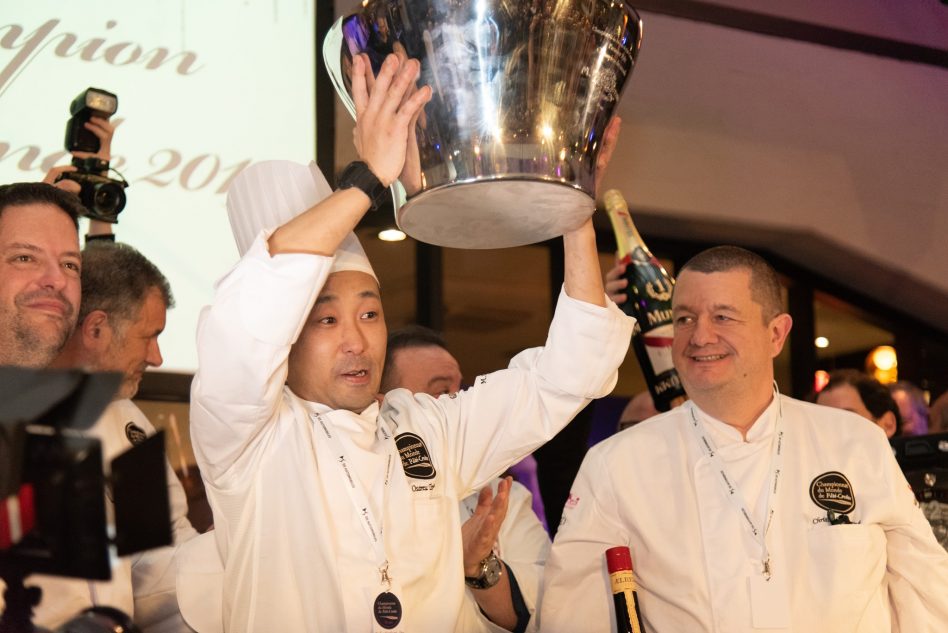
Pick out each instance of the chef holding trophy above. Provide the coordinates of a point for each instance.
(332, 511)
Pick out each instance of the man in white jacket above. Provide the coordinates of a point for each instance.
(332, 512)
(745, 510)
(125, 299)
(505, 545)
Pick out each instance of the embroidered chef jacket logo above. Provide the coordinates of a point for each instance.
(416, 460)
(135, 434)
(832, 491)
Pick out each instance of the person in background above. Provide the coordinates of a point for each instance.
(40, 266)
(122, 313)
(125, 298)
(417, 359)
(912, 407)
(745, 509)
(640, 408)
(852, 390)
(938, 414)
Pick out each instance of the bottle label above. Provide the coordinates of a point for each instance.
(650, 289)
(622, 581)
(669, 382)
(658, 346)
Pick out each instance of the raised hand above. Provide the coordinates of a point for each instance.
(479, 533)
(66, 185)
(384, 115)
(104, 130)
(616, 283)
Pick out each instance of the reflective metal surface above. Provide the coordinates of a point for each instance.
(522, 92)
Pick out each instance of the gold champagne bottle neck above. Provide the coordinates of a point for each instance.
(627, 236)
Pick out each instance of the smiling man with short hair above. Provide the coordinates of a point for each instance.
(39, 272)
(745, 509)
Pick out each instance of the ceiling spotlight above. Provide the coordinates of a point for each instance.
(822, 342)
(391, 234)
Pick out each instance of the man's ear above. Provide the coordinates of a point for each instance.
(887, 422)
(96, 331)
(779, 330)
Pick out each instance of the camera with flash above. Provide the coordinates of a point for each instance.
(103, 197)
(91, 102)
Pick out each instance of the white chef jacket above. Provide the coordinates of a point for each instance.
(653, 489)
(64, 598)
(522, 544)
(296, 556)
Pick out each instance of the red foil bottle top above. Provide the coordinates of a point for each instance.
(618, 559)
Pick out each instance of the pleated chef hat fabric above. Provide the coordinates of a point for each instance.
(269, 194)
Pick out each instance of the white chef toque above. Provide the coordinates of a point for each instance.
(268, 194)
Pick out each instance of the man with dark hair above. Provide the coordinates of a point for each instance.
(426, 366)
(124, 302)
(39, 272)
(852, 390)
(500, 526)
(122, 312)
(332, 511)
(745, 509)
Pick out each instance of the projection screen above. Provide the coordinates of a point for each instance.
(204, 89)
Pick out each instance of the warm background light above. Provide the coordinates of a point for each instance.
(883, 364)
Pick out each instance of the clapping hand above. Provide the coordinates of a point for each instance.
(479, 533)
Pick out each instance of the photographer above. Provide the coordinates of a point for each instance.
(104, 130)
(124, 302)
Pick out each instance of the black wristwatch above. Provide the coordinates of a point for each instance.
(491, 569)
(357, 174)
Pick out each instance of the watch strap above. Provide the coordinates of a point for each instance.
(357, 174)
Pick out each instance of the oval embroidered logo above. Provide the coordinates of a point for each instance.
(416, 461)
(135, 434)
(832, 491)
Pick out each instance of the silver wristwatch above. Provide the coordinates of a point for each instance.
(491, 569)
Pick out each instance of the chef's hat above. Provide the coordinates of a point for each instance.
(269, 194)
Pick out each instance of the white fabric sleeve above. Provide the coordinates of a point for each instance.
(524, 546)
(577, 595)
(509, 413)
(243, 342)
(917, 565)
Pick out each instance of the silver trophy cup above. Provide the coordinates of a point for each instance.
(505, 152)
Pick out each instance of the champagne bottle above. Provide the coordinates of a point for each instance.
(649, 301)
(628, 616)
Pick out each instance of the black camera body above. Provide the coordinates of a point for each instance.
(103, 197)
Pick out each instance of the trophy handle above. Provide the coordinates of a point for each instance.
(332, 58)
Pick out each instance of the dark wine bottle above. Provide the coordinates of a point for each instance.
(649, 301)
(628, 616)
